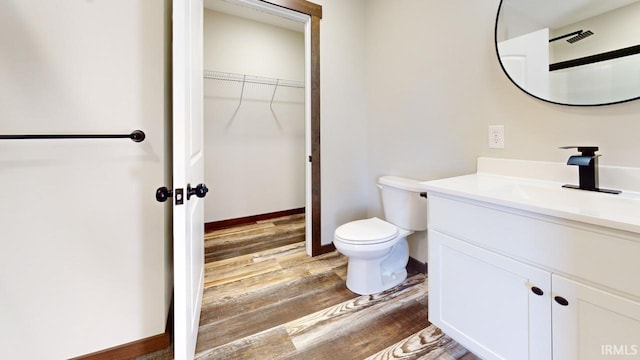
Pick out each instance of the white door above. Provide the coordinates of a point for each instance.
(188, 171)
(590, 324)
(496, 307)
(526, 59)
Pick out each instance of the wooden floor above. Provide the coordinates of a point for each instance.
(264, 298)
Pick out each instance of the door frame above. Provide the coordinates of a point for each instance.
(310, 14)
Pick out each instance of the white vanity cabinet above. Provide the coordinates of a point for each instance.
(485, 300)
(514, 284)
(594, 324)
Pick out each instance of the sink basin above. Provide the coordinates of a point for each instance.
(586, 202)
(621, 211)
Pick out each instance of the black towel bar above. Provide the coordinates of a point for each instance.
(136, 136)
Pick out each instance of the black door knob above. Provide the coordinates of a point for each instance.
(200, 191)
(162, 194)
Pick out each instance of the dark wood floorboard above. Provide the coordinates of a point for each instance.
(264, 298)
(363, 326)
(251, 238)
(268, 308)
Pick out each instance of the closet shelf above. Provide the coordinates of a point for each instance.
(219, 75)
(242, 78)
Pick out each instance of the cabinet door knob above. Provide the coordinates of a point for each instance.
(536, 290)
(560, 300)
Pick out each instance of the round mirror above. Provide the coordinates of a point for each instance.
(577, 52)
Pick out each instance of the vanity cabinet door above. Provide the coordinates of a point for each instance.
(590, 323)
(495, 306)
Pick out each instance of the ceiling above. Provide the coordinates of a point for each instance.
(238, 10)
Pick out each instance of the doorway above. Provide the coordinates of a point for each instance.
(188, 168)
(262, 100)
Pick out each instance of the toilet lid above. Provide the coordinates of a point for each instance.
(369, 231)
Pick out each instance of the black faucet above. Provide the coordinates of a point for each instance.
(587, 162)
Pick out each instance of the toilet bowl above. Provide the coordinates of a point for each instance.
(377, 249)
(378, 253)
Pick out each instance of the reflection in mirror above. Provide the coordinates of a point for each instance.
(572, 52)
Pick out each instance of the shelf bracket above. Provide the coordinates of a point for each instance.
(274, 94)
(244, 79)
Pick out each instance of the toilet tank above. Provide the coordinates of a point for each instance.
(403, 206)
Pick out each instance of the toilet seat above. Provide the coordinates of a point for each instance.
(366, 232)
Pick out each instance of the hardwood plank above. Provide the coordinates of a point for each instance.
(286, 220)
(273, 295)
(245, 266)
(268, 227)
(270, 344)
(313, 328)
(252, 246)
(222, 233)
(316, 261)
(247, 236)
(230, 223)
(342, 272)
(291, 305)
(237, 273)
(298, 265)
(243, 260)
(332, 260)
(228, 243)
(250, 284)
(357, 339)
(264, 231)
(428, 344)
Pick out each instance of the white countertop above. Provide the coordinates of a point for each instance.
(620, 212)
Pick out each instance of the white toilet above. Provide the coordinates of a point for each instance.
(377, 249)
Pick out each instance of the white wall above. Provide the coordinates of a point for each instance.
(255, 153)
(240, 45)
(435, 84)
(344, 122)
(83, 243)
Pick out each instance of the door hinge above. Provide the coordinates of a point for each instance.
(310, 158)
(179, 196)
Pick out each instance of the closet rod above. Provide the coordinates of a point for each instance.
(136, 136)
(219, 75)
